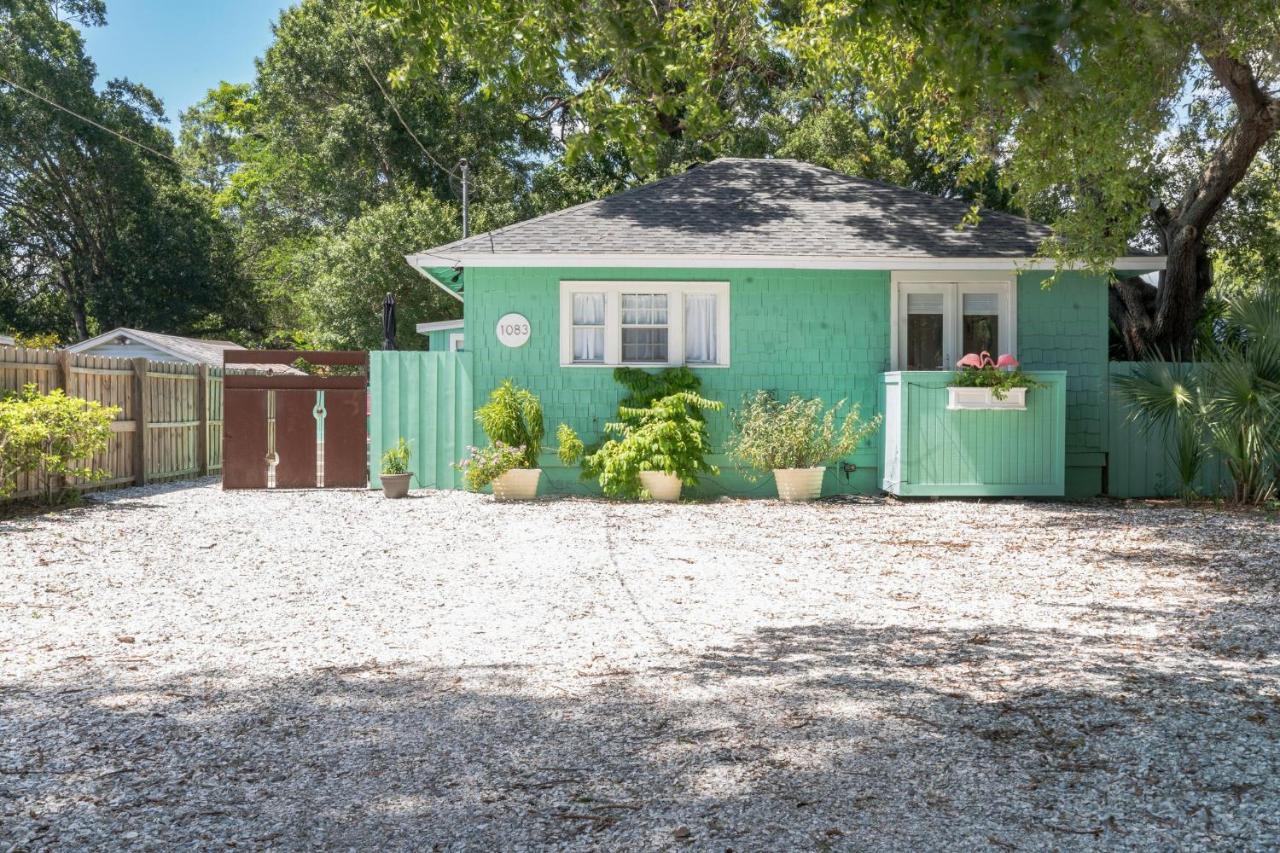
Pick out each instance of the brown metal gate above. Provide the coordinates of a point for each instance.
(296, 428)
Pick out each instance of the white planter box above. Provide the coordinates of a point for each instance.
(799, 484)
(518, 484)
(660, 486)
(985, 398)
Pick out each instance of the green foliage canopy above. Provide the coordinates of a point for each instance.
(94, 231)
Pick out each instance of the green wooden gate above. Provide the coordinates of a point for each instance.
(426, 397)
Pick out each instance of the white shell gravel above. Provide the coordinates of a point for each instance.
(181, 666)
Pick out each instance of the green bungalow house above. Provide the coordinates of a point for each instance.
(780, 275)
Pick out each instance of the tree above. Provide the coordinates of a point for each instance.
(96, 231)
(304, 159)
(353, 267)
(1073, 102)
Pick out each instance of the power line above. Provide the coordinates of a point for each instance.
(403, 123)
(70, 112)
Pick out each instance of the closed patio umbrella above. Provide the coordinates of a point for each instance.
(389, 322)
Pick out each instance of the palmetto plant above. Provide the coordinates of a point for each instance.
(1227, 403)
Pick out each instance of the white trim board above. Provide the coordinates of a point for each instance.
(644, 260)
(419, 261)
(437, 326)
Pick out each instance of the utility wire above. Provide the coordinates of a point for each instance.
(70, 112)
(404, 123)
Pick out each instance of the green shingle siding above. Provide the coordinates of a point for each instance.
(1065, 327)
(812, 332)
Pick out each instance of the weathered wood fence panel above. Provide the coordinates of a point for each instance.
(170, 421)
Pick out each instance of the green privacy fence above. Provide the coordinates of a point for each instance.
(1140, 463)
(931, 450)
(427, 398)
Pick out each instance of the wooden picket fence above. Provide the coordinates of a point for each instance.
(170, 421)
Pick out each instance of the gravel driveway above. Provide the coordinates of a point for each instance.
(184, 666)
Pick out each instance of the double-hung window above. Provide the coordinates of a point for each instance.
(941, 317)
(608, 323)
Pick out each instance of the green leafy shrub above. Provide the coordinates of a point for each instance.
(800, 433)
(513, 417)
(483, 465)
(396, 459)
(571, 449)
(51, 436)
(667, 435)
(643, 388)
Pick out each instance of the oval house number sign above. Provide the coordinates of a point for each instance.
(513, 330)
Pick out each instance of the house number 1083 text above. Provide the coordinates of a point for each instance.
(513, 330)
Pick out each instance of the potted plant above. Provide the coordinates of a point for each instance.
(983, 383)
(795, 440)
(654, 451)
(395, 470)
(490, 465)
(512, 419)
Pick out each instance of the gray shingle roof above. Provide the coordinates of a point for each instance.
(191, 350)
(765, 207)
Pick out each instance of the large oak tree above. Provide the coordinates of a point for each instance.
(1074, 101)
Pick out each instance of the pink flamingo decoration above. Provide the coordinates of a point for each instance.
(982, 360)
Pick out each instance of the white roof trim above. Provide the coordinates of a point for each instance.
(132, 334)
(705, 261)
(420, 261)
(438, 326)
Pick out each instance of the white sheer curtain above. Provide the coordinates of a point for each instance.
(700, 328)
(588, 327)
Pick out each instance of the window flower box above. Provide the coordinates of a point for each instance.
(970, 399)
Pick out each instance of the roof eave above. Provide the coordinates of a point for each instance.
(1144, 263)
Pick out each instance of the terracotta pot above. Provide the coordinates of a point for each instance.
(799, 484)
(518, 484)
(660, 486)
(396, 485)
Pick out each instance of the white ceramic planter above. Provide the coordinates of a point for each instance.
(660, 486)
(518, 484)
(799, 484)
(985, 398)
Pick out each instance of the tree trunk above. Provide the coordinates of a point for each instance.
(1161, 321)
(76, 304)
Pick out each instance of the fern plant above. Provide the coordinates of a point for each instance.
(513, 417)
(668, 435)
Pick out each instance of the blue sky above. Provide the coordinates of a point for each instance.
(182, 48)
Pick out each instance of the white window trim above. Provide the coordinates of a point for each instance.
(455, 342)
(955, 284)
(675, 291)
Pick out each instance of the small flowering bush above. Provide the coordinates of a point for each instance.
(1001, 375)
(483, 465)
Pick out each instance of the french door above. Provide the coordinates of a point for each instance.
(939, 322)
